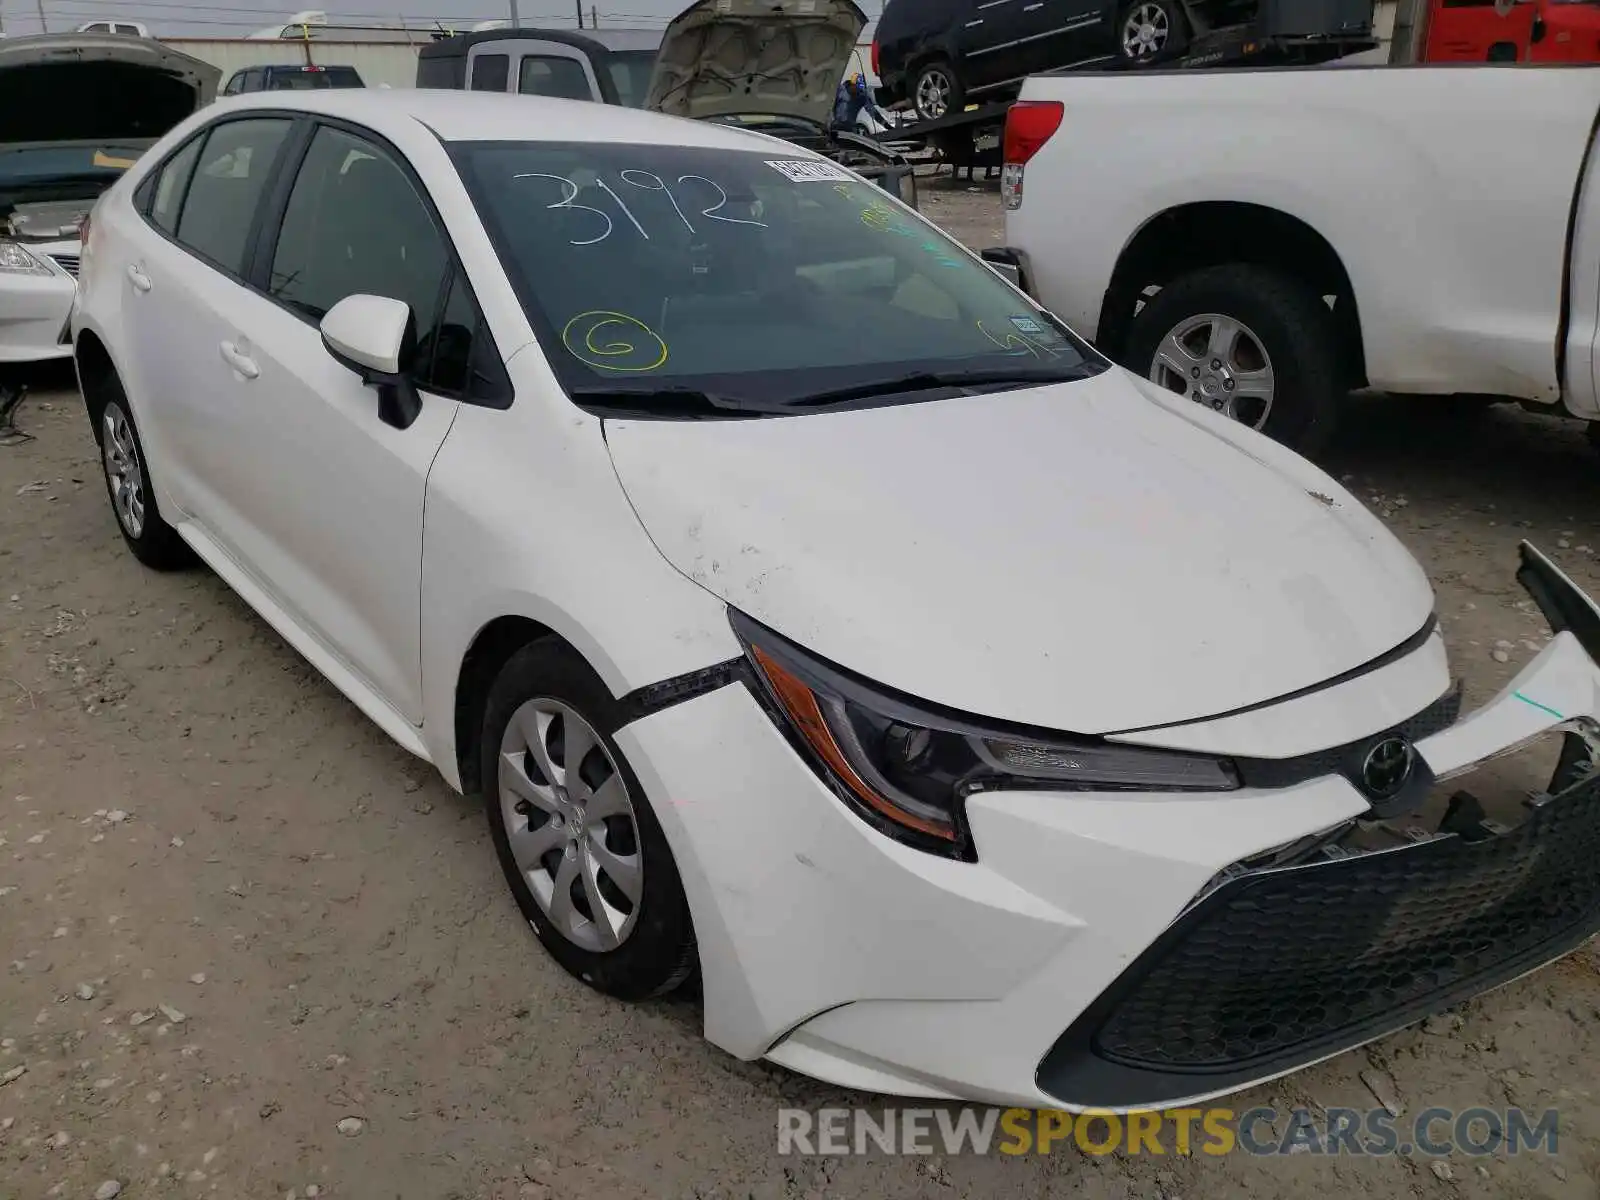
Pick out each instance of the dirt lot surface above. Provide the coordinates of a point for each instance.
(252, 949)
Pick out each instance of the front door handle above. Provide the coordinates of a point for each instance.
(138, 278)
(239, 360)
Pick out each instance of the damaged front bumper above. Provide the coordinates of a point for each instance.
(1290, 958)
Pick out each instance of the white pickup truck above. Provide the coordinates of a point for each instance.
(1265, 241)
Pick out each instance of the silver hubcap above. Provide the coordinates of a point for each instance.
(571, 825)
(123, 471)
(1217, 361)
(933, 94)
(1146, 31)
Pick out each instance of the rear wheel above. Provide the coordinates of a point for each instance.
(583, 852)
(936, 91)
(153, 542)
(1257, 346)
(1151, 30)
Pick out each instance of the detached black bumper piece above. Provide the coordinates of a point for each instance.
(1279, 969)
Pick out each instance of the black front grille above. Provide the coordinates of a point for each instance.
(1280, 968)
(68, 263)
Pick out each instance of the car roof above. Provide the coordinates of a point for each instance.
(456, 116)
(604, 40)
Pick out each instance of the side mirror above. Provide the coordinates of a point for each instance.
(376, 338)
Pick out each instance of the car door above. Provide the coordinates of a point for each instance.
(990, 37)
(189, 264)
(1064, 33)
(325, 498)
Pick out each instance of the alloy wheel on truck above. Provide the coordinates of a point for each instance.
(1151, 29)
(1249, 343)
(937, 92)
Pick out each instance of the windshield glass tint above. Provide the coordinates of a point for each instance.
(754, 275)
(41, 164)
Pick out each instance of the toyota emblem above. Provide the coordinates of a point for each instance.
(1387, 768)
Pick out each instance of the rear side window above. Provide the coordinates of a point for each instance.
(545, 76)
(170, 182)
(228, 184)
(490, 72)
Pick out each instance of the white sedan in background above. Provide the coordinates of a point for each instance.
(813, 611)
(76, 111)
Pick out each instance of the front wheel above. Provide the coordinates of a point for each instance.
(937, 91)
(1250, 343)
(1151, 31)
(583, 852)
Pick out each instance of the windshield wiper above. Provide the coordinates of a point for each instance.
(922, 381)
(670, 402)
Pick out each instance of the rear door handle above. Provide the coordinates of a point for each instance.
(239, 360)
(138, 278)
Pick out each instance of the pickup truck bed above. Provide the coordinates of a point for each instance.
(1412, 229)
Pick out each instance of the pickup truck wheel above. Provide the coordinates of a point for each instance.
(937, 92)
(1252, 344)
(1148, 30)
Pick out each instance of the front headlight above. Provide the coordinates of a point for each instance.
(908, 767)
(19, 260)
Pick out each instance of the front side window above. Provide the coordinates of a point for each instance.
(229, 181)
(751, 277)
(491, 72)
(354, 224)
(544, 75)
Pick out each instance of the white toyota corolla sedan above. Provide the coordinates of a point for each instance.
(814, 612)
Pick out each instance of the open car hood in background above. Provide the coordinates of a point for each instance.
(84, 86)
(723, 58)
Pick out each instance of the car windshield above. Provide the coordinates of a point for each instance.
(630, 73)
(748, 279)
(90, 161)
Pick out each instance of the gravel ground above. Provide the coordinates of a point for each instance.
(251, 949)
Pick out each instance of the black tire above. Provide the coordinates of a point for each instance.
(1173, 34)
(658, 954)
(952, 89)
(153, 542)
(1292, 325)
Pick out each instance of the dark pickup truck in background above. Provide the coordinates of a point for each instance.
(284, 77)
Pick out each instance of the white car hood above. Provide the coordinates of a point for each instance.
(1080, 557)
(722, 58)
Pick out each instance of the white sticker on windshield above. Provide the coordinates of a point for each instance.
(807, 171)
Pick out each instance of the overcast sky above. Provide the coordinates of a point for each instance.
(237, 18)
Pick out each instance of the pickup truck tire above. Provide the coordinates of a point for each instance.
(936, 90)
(1285, 345)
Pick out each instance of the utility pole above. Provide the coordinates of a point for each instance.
(578, 4)
(44, 25)
(594, 18)
(515, 19)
